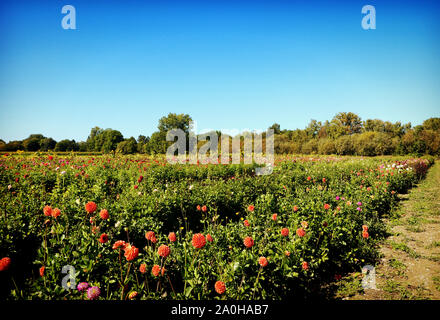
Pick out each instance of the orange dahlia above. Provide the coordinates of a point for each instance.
(284, 232)
(120, 244)
(220, 287)
(248, 242)
(172, 237)
(104, 214)
(305, 265)
(365, 234)
(300, 232)
(131, 252)
(42, 269)
(163, 251)
(262, 261)
(56, 212)
(143, 268)
(149, 235)
(47, 211)
(251, 208)
(198, 241)
(156, 270)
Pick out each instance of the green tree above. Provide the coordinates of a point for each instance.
(142, 143)
(66, 145)
(157, 143)
(31, 144)
(111, 140)
(174, 121)
(103, 140)
(344, 145)
(350, 123)
(326, 146)
(14, 145)
(276, 128)
(432, 124)
(365, 144)
(313, 128)
(47, 144)
(127, 147)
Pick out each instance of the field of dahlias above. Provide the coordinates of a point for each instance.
(132, 227)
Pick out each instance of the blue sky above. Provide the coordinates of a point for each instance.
(229, 64)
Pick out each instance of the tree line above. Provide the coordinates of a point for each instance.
(345, 134)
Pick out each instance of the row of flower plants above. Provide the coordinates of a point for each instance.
(137, 228)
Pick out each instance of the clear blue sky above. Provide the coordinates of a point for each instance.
(229, 64)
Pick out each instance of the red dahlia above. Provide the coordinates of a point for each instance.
(91, 207)
(103, 238)
(5, 263)
(198, 241)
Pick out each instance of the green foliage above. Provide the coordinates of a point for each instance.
(66, 145)
(32, 144)
(127, 147)
(166, 199)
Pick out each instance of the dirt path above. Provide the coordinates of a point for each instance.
(410, 266)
